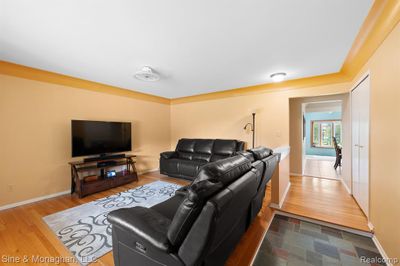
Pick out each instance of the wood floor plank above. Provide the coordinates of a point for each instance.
(326, 200)
(23, 231)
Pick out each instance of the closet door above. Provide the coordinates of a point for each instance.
(360, 143)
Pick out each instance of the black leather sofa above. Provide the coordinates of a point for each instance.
(203, 222)
(191, 154)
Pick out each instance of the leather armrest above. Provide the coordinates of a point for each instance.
(144, 223)
(182, 190)
(168, 154)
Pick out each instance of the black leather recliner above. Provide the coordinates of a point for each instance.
(191, 154)
(265, 161)
(202, 223)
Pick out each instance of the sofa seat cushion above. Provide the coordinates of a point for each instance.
(189, 168)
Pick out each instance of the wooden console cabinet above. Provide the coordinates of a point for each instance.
(80, 170)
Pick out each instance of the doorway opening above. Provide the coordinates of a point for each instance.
(322, 139)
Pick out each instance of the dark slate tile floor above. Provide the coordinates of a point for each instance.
(295, 242)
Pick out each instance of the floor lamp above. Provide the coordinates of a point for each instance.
(252, 127)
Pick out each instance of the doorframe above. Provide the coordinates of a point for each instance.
(365, 75)
(303, 148)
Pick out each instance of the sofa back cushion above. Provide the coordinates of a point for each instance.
(207, 149)
(211, 179)
(185, 148)
(203, 149)
(224, 148)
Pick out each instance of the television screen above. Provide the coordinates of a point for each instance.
(97, 137)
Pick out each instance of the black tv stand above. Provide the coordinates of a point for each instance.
(104, 157)
(81, 170)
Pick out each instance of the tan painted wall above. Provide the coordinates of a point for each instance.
(384, 67)
(35, 141)
(225, 118)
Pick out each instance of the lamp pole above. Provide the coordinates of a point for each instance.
(254, 126)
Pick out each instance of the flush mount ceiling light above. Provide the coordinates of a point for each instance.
(278, 77)
(147, 74)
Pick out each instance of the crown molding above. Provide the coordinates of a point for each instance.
(21, 71)
(262, 88)
(382, 18)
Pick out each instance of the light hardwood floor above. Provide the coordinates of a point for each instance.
(322, 166)
(326, 200)
(23, 232)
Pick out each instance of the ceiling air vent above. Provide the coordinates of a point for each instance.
(147, 74)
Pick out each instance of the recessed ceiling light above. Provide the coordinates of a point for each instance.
(278, 77)
(147, 74)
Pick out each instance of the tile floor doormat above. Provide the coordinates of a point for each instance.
(84, 229)
(296, 242)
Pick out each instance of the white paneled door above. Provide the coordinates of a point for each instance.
(360, 103)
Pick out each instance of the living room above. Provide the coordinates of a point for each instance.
(217, 91)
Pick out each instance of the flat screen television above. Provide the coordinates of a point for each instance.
(100, 137)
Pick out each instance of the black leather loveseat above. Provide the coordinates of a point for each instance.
(203, 222)
(191, 154)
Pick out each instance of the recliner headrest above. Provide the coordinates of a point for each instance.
(260, 152)
(221, 172)
(248, 155)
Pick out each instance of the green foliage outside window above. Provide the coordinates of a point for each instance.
(324, 131)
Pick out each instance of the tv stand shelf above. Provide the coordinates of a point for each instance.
(82, 188)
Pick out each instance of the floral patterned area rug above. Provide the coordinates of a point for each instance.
(84, 229)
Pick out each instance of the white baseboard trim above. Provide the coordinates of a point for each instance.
(295, 174)
(311, 220)
(370, 226)
(13, 205)
(16, 204)
(346, 187)
(276, 206)
(382, 251)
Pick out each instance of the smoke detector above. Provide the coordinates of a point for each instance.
(147, 74)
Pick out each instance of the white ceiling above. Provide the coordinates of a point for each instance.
(197, 46)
